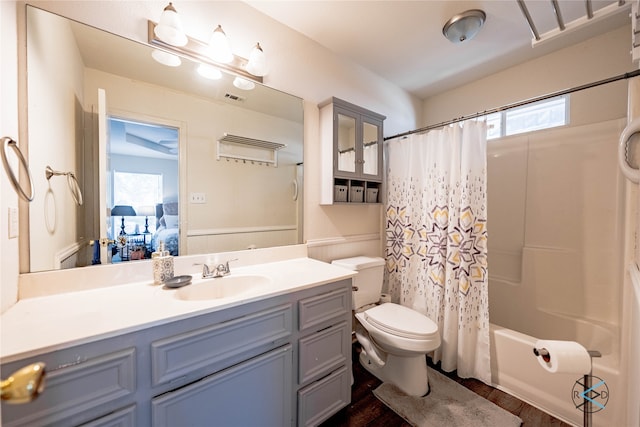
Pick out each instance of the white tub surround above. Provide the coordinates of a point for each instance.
(95, 304)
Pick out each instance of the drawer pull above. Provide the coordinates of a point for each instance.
(24, 385)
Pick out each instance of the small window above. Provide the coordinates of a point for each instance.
(545, 114)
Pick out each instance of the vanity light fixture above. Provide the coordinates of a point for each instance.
(464, 26)
(217, 53)
(169, 29)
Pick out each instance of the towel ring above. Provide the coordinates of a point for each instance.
(6, 143)
(623, 151)
(72, 182)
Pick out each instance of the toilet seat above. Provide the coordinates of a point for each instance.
(401, 321)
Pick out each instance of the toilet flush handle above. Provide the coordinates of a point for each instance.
(354, 288)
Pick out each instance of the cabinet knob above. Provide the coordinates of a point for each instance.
(24, 385)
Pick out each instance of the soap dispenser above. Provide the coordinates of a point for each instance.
(162, 264)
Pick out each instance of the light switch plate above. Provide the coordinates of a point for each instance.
(197, 198)
(13, 222)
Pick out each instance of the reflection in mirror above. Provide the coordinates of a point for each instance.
(212, 203)
(143, 160)
(346, 143)
(370, 149)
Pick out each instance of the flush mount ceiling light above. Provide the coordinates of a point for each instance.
(169, 29)
(464, 26)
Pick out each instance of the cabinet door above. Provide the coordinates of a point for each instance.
(346, 152)
(371, 149)
(253, 393)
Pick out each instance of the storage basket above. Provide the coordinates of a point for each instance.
(357, 194)
(340, 193)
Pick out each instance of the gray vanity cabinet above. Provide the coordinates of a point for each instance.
(282, 361)
(351, 139)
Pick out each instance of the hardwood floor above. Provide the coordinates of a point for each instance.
(366, 410)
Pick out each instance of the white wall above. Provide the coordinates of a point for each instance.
(8, 127)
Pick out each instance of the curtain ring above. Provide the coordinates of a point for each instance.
(6, 143)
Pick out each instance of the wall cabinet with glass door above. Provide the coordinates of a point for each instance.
(351, 139)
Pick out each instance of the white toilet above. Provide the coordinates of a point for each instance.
(394, 339)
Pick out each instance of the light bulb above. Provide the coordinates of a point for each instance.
(257, 64)
(219, 48)
(169, 29)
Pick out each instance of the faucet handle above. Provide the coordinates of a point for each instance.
(223, 268)
(206, 272)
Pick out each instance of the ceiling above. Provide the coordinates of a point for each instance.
(402, 41)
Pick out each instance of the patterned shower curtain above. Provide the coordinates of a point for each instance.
(436, 233)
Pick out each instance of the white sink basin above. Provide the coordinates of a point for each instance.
(223, 287)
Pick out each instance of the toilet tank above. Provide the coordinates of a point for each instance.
(368, 281)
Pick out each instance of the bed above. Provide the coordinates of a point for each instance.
(167, 228)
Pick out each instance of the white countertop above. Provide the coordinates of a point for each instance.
(40, 324)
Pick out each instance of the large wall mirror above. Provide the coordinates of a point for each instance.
(144, 143)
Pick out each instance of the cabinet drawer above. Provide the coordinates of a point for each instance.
(319, 309)
(321, 399)
(323, 351)
(78, 393)
(219, 346)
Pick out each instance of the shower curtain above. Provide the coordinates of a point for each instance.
(436, 235)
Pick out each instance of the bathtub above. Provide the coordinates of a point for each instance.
(515, 370)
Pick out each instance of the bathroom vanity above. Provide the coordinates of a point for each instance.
(141, 356)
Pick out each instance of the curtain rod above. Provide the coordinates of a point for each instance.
(519, 103)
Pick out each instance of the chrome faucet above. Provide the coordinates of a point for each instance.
(220, 270)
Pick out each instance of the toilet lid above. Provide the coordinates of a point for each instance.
(401, 321)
